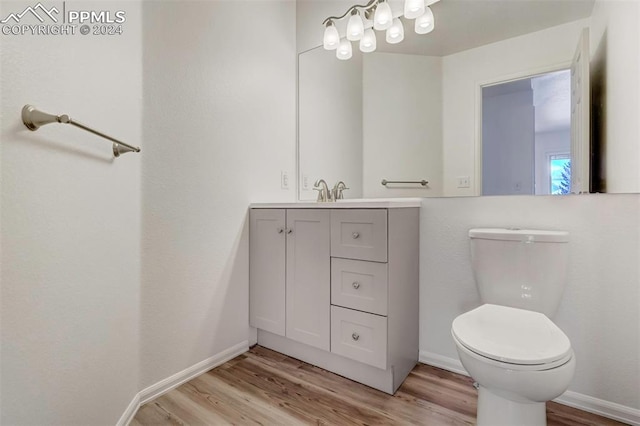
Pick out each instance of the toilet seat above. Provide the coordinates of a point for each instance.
(521, 339)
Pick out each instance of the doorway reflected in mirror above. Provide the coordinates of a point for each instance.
(526, 135)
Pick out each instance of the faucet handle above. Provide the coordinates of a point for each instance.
(337, 190)
(320, 198)
(324, 194)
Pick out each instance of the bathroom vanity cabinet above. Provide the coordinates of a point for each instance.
(336, 285)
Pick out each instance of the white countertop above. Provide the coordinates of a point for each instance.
(356, 203)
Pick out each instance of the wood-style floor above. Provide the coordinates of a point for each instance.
(266, 387)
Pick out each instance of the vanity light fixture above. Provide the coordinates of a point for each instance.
(425, 22)
(383, 17)
(355, 27)
(379, 16)
(344, 51)
(395, 33)
(331, 36)
(413, 8)
(368, 41)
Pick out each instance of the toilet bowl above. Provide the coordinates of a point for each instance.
(519, 358)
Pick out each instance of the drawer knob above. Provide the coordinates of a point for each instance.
(355, 336)
(355, 235)
(356, 285)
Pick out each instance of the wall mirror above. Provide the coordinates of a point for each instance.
(415, 111)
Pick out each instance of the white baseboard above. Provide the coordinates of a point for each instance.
(130, 412)
(450, 364)
(572, 399)
(601, 407)
(172, 382)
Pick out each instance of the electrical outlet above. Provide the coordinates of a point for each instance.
(284, 180)
(305, 182)
(464, 182)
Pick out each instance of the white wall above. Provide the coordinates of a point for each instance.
(402, 124)
(464, 72)
(219, 118)
(599, 311)
(508, 143)
(615, 48)
(70, 225)
(330, 121)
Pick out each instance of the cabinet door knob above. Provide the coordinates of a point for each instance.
(356, 285)
(280, 230)
(289, 231)
(355, 235)
(355, 336)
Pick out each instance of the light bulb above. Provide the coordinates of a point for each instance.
(425, 23)
(413, 8)
(355, 26)
(395, 33)
(368, 41)
(344, 51)
(331, 36)
(383, 17)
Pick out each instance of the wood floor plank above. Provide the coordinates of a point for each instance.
(269, 388)
(399, 409)
(307, 396)
(214, 389)
(152, 413)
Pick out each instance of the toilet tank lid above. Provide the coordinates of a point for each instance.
(516, 234)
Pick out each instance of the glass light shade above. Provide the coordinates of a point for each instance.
(344, 51)
(395, 33)
(425, 23)
(355, 27)
(382, 18)
(413, 8)
(331, 37)
(368, 41)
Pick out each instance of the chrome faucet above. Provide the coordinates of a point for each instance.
(337, 190)
(324, 194)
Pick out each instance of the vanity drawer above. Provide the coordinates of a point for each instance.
(359, 336)
(359, 234)
(360, 285)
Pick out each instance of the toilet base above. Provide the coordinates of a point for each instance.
(494, 410)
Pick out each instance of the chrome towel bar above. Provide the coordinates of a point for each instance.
(33, 119)
(421, 182)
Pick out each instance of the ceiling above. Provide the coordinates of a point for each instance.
(466, 24)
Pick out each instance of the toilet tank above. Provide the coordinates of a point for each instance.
(521, 268)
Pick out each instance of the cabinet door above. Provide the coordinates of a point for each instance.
(308, 277)
(267, 270)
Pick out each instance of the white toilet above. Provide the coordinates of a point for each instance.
(517, 355)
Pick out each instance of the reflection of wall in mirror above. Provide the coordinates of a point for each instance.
(463, 73)
(402, 124)
(508, 138)
(615, 42)
(330, 122)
